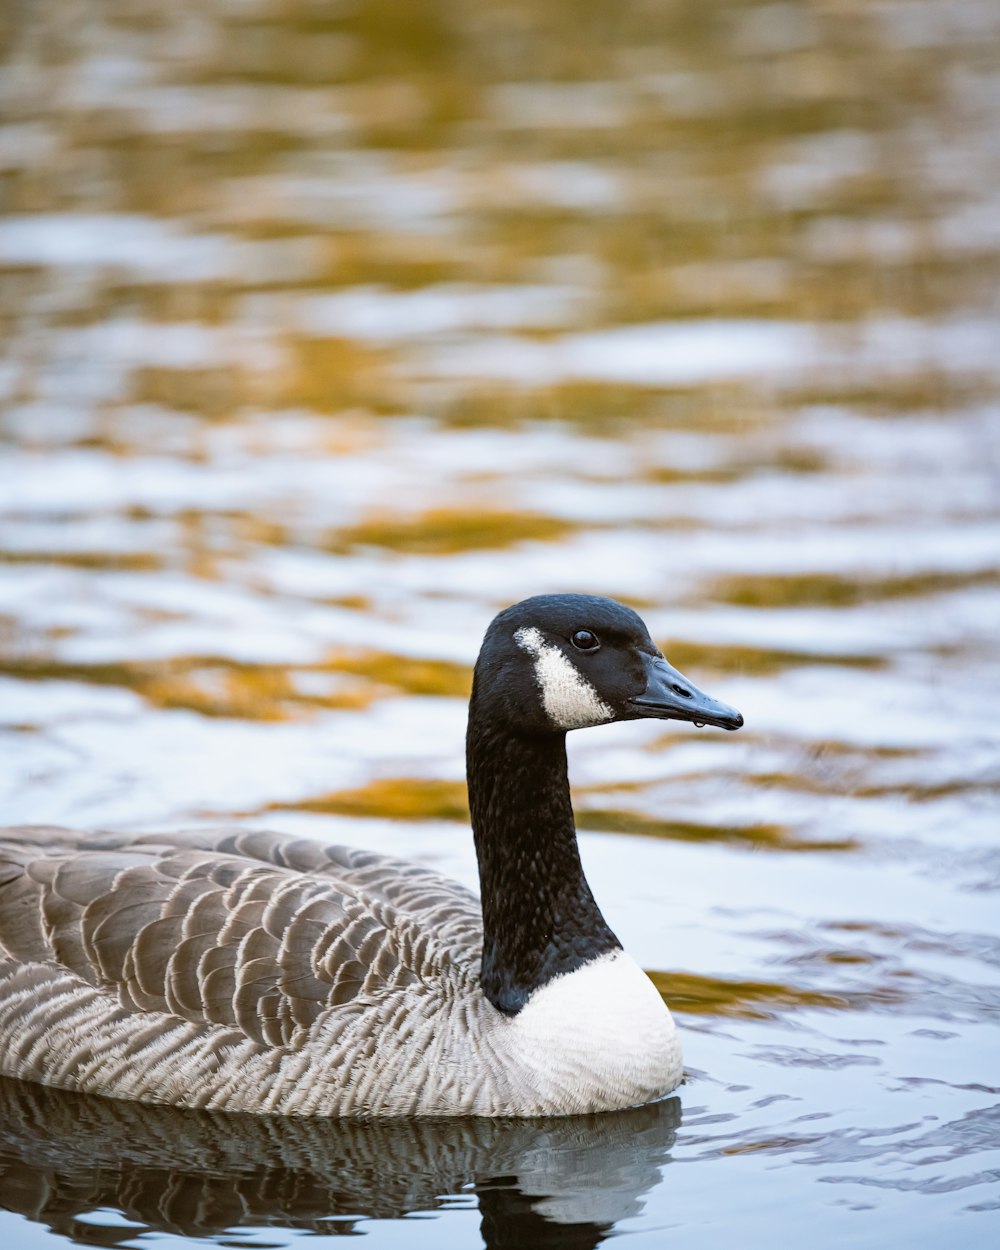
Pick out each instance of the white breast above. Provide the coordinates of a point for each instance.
(597, 1038)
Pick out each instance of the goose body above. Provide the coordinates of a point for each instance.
(248, 971)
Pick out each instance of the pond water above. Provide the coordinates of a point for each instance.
(331, 328)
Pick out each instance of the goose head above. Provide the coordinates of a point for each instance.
(558, 662)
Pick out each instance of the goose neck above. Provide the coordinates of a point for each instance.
(540, 919)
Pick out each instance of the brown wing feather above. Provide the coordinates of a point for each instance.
(240, 928)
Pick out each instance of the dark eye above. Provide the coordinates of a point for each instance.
(585, 640)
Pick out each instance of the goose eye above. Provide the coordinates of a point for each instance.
(585, 640)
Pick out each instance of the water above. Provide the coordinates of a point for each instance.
(328, 330)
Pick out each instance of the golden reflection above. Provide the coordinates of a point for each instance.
(850, 781)
(445, 531)
(603, 408)
(783, 459)
(921, 391)
(392, 798)
(760, 661)
(211, 686)
(112, 561)
(412, 674)
(799, 590)
(219, 686)
(365, 258)
(763, 837)
(212, 392)
(333, 375)
(688, 994)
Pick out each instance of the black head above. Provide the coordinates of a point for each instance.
(559, 662)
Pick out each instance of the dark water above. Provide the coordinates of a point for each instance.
(328, 330)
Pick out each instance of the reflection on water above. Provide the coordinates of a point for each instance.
(328, 329)
(554, 1183)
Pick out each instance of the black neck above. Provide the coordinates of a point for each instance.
(539, 916)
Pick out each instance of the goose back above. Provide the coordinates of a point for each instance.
(124, 952)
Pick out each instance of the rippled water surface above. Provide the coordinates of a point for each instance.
(329, 329)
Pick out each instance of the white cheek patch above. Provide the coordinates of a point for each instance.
(570, 701)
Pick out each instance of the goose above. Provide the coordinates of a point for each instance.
(247, 971)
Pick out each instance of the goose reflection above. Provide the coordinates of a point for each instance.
(557, 1184)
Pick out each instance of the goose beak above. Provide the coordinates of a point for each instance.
(670, 696)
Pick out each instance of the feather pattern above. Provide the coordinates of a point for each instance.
(231, 943)
(254, 972)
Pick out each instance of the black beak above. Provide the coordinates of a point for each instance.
(670, 696)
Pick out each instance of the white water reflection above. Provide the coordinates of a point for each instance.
(678, 353)
(387, 316)
(154, 248)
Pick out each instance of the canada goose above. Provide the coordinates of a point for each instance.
(246, 971)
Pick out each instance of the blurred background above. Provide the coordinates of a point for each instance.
(329, 329)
